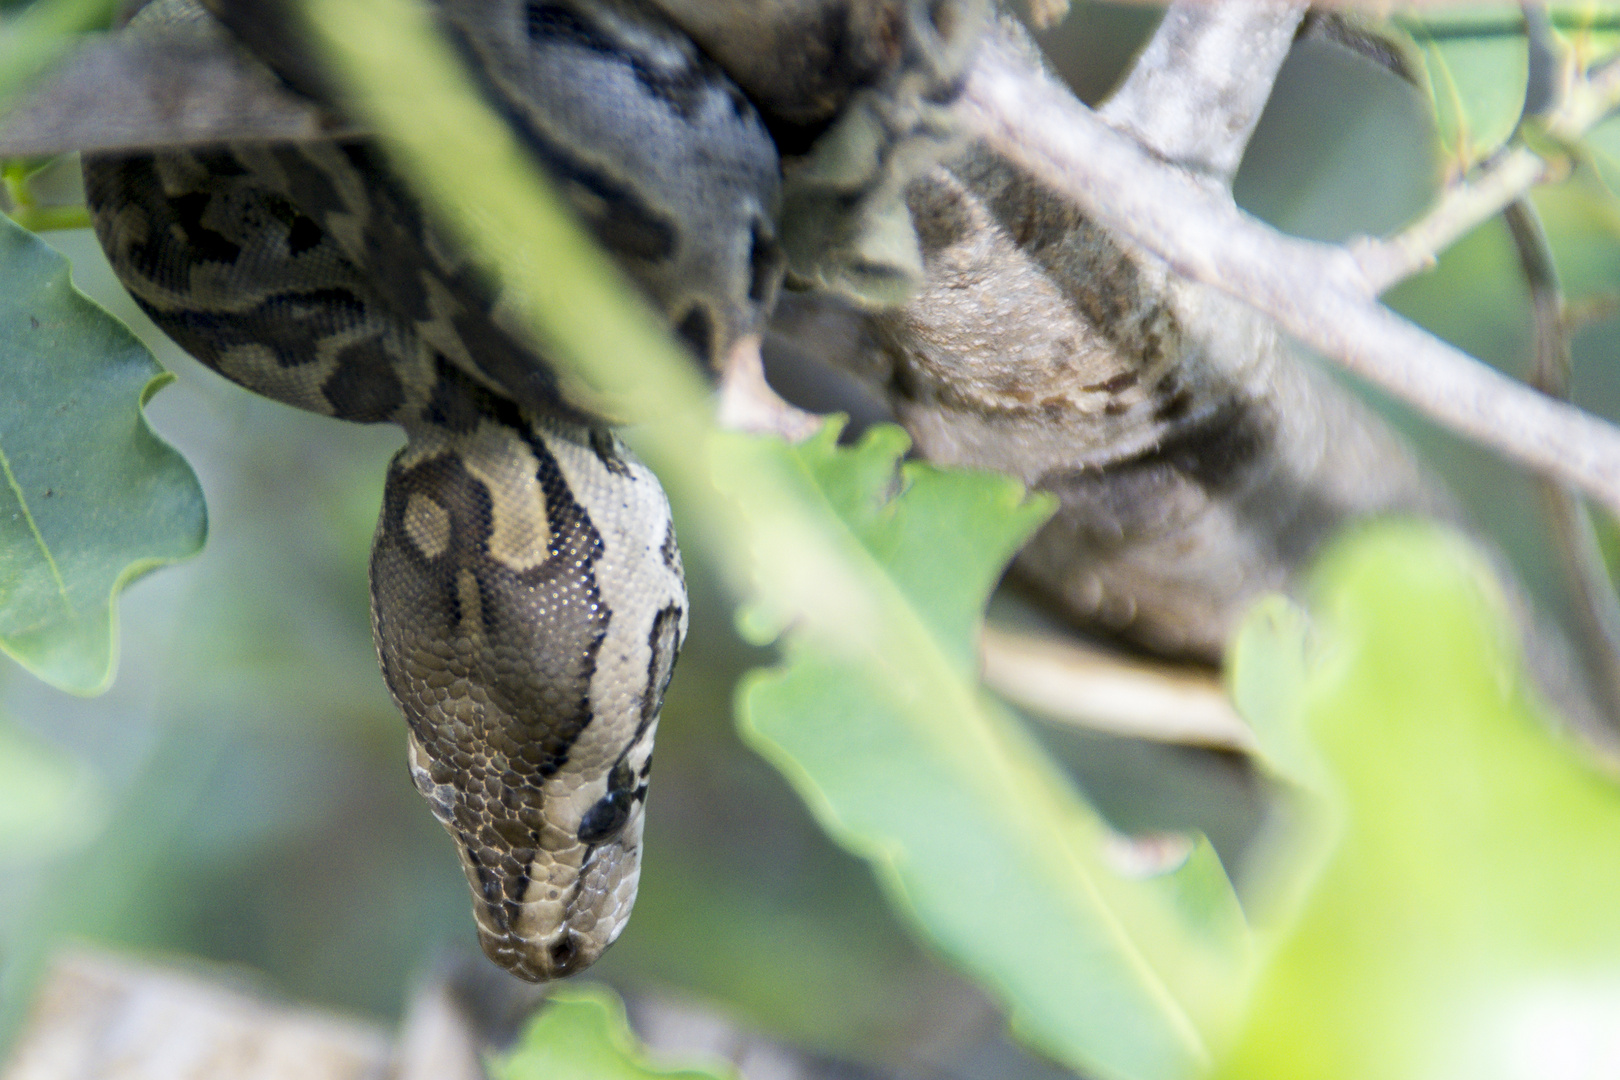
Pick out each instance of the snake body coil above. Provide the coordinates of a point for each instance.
(527, 593)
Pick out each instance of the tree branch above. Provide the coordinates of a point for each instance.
(1316, 292)
(1462, 206)
(1196, 92)
(1596, 610)
(1067, 682)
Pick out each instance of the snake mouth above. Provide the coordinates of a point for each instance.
(538, 956)
(568, 915)
(565, 955)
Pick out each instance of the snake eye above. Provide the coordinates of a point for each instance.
(603, 820)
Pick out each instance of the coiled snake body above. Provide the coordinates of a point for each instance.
(527, 593)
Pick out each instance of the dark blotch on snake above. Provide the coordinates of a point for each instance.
(303, 235)
(697, 330)
(604, 820)
(364, 386)
(671, 554)
(602, 445)
(662, 643)
(209, 245)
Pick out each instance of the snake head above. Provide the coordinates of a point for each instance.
(551, 910)
(528, 603)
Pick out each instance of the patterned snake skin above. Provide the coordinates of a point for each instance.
(527, 593)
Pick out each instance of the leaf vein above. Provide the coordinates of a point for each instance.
(33, 527)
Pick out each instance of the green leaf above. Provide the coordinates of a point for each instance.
(581, 1034)
(1475, 75)
(91, 498)
(1591, 30)
(1582, 219)
(1265, 672)
(20, 200)
(1603, 144)
(1462, 920)
(971, 830)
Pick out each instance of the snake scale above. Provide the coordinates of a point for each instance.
(527, 594)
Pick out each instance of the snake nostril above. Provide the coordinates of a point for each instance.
(564, 953)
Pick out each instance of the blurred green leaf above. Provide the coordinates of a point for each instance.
(49, 802)
(581, 1034)
(1582, 219)
(1590, 29)
(1475, 76)
(1119, 977)
(92, 498)
(1265, 671)
(1463, 921)
(1603, 142)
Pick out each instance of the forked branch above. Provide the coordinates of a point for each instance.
(1196, 92)
(1319, 293)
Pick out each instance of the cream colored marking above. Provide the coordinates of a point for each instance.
(428, 525)
(520, 535)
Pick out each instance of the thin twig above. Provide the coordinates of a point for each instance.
(186, 88)
(1066, 682)
(1196, 92)
(1316, 292)
(1596, 608)
(1547, 79)
(1555, 100)
(1588, 101)
(1461, 208)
